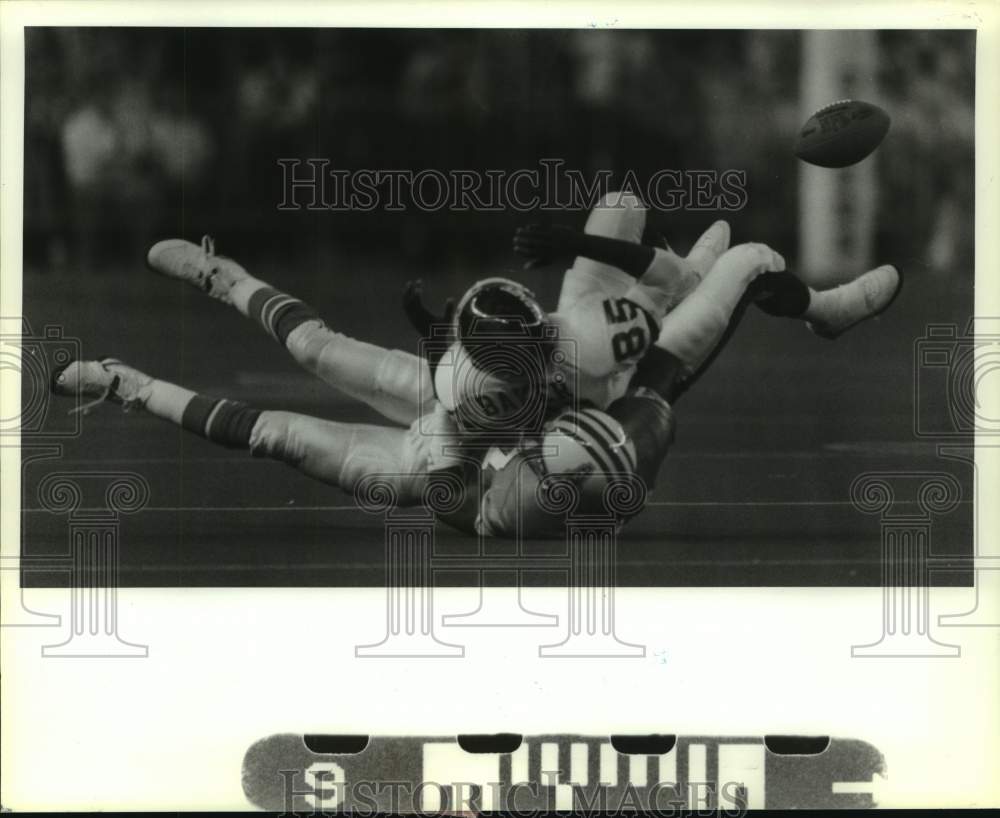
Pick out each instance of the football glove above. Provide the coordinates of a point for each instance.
(422, 319)
(542, 244)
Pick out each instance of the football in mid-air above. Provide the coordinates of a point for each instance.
(842, 134)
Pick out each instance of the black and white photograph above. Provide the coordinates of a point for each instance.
(686, 265)
(347, 341)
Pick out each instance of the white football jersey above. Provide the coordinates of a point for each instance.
(595, 344)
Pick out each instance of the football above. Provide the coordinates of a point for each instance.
(842, 134)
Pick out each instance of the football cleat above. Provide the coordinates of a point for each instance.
(677, 276)
(832, 312)
(710, 245)
(197, 265)
(107, 379)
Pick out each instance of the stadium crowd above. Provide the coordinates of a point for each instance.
(134, 134)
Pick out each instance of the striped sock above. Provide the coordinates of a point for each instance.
(278, 313)
(222, 421)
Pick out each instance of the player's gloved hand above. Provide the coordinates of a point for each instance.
(542, 244)
(422, 319)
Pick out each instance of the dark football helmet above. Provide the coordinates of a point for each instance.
(498, 308)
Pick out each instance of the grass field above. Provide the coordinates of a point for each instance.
(754, 492)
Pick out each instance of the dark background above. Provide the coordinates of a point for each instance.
(133, 135)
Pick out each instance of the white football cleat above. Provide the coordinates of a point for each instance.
(712, 244)
(677, 276)
(197, 265)
(833, 312)
(105, 380)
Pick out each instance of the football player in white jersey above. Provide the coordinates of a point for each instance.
(425, 438)
(622, 446)
(507, 359)
(619, 422)
(428, 444)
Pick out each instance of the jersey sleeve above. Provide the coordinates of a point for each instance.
(588, 278)
(604, 334)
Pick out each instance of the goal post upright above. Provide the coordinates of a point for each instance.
(837, 207)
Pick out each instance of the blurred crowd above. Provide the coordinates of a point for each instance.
(131, 134)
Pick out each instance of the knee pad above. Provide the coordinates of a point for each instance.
(365, 458)
(402, 373)
(307, 341)
(347, 458)
(338, 454)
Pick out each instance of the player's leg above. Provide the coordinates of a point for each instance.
(695, 332)
(829, 313)
(647, 420)
(339, 454)
(698, 330)
(395, 383)
(645, 412)
(695, 326)
(693, 329)
(611, 261)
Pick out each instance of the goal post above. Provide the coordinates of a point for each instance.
(837, 207)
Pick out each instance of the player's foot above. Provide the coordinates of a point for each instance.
(105, 380)
(675, 276)
(199, 266)
(832, 312)
(712, 244)
(687, 273)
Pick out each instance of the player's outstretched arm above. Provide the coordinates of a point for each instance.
(542, 244)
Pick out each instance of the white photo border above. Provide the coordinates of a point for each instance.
(229, 666)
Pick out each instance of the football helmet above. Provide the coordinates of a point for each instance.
(589, 446)
(497, 309)
(501, 367)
